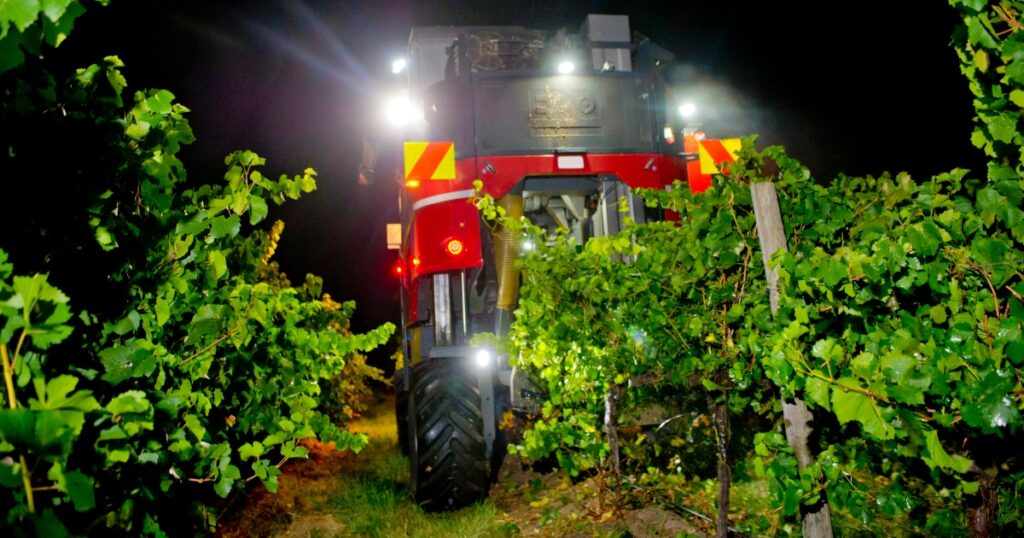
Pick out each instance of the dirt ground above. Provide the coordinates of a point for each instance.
(343, 494)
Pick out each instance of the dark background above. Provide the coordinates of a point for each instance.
(862, 89)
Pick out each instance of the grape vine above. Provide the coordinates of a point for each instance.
(181, 364)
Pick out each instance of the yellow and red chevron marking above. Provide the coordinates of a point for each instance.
(429, 160)
(715, 153)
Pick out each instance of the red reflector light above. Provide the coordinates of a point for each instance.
(454, 247)
(398, 269)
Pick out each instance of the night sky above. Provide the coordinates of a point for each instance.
(874, 86)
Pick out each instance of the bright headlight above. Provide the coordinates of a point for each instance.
(483, 358)
(566, 67)
(687, 110)
(401, 110)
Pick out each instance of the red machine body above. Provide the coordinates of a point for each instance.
(443, 211)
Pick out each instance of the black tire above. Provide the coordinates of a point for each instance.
(447, 455)
(401, 412)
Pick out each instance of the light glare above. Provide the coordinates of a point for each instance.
(566, 67)
(687, 110)
(482, 358)
(400, 110)
(399, 65)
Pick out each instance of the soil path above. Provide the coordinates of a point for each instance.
(366, 494)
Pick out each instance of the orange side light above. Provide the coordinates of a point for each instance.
(416, 262)
(412, 183)
(454, 247)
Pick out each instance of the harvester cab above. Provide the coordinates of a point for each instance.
(559, 128)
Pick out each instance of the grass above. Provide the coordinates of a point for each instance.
(373, 499)
(367, 494)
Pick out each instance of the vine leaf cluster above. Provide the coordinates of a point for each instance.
(181, 365)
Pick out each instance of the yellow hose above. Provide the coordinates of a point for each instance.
(506, 252)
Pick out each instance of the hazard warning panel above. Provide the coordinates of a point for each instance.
(715, 153)
(429, 161)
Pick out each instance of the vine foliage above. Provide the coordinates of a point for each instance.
(901, 308)
(181, 364)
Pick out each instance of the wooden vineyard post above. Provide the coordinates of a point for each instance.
(817, 520)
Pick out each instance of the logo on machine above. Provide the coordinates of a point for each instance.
(563, 111)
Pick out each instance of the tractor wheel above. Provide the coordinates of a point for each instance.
(447, 454)
(402, 413)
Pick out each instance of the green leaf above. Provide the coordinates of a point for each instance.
(817, 392)
(160, 102)
(58, 388)
(978, 35)
(163, 310)
(195, 426)
(938, 457)
(225, 226)
(5, 267)
(988, 250)
(925, 238)
(257, 209)
(49, 525)
(137, 130)
(240, 202)
(833, 271)
(127, 324)
(710, 385)
(79, 487)
(863, 365)
(218, 263)
(208, 320)
(17, 426)
(231, 471)
(58, 396)
(981, 60)
(978, 138)
(1002, 127)
(123, 362)
(827, 350)
(20, 12)
(1017, 97)
(1015, 70)
(36, 298)
(223, 487)
(855, 406)
(11, 54)
(54, 9)
(132, 401)
(250, 450)
(57, 428)
(988, 404)
(975, 5)
(294, 451)
(118, 456)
